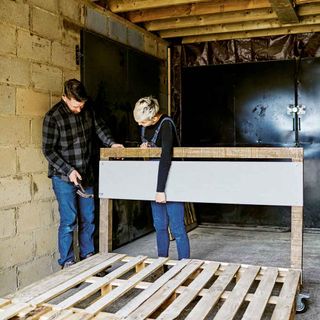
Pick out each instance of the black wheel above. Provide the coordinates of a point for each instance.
(301, 303)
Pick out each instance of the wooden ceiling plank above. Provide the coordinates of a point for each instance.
(234, 27)
(285, 11)
(211, 19)
(298, 2)
(252, 34)
(196, 9)
(118, 6)
(307, 10)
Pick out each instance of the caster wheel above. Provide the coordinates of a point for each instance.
(301, 302)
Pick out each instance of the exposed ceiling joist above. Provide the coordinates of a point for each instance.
(186, 10)
(285, 11)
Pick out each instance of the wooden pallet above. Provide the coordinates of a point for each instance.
(138, 288)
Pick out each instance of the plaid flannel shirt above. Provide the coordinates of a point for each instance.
(67, 140)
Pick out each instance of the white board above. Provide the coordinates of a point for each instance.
(233, 182)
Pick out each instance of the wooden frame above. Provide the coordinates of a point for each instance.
(293, 154)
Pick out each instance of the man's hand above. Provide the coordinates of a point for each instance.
(161, 197)
(74, 176)
(144, 145)
(117, 145)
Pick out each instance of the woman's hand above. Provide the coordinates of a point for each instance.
(161, 197)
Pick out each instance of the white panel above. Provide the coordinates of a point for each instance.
(263, 183)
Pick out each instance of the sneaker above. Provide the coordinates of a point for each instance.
(87, 256)
(68, 264)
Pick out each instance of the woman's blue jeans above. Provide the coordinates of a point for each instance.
(170, 214)
(71, 208)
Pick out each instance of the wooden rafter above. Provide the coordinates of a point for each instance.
(196, 9)
(285, 11)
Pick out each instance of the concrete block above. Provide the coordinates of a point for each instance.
(8, 280)
(71, 74)
(17, 250)
(71, 9)
(34, 216)
(36, 132)
(135, 39)
(50, 5)
(47, 78)
(64, 56)
(14, 131)
(46, 240)
(32, 103)
(42, 188)
(33, 47)
(118, 31)
(97, 22)
(8, 39)
(150, 46)
(56, 214)
(7, 223)
(14, 71)
(34, 270)
(31, 159)
(15, 13)
(7, 99)
(46, 24)
(8, 163)
(15, 190)
(55, 264)
(55, 99)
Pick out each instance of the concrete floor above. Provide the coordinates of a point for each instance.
(247, 246)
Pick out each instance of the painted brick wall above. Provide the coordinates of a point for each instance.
(37, 54)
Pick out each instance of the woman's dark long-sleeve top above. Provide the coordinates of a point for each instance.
(67, 140)
(166, 140)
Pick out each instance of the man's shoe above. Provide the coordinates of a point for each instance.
(68, 264)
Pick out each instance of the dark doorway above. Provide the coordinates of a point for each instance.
(116, 76)
(246, 105)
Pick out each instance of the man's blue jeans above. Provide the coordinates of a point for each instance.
(172, 214)
(71, 208)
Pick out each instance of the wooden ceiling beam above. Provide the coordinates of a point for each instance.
(298, 2)
(118, 6)
(308, 10)
(196, 9)
(252, 34)
(211, 19)
(234, 27)
(285, 11)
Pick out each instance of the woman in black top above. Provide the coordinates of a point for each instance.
(158, 130)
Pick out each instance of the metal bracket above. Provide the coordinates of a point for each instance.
(301, 303)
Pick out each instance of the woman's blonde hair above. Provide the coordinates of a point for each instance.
(145, 109)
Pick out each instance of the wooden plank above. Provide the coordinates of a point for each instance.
(156, 300)
(190, 292)
(4, 302)
(211, 19)
(57, 315)
(91, 289)
(154, 287)
(59, 289)
(117, 6)
(231, 306)
(261, 296)
(196, 9)
(296, 154)
(253, 33)
(128, 285)
(208, 301)
(310, 9)
(285, 11)
(12, 310)
(105, 225)
(296, 237)
(283, 308)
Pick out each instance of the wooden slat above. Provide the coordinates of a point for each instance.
(190, 292)
(283, 308)
(56, 315)
(207, 302)
(211, 19)
(86, 292)
(296, 237)
(262, 295)
(154, 287)
(285, 11)
(129, 284)
(156, 300)
(252, 34)
(196, 9)
(310, 9)
(232, 304)
(12, 310)
(296, 154)
(105, 225)
(131, 5)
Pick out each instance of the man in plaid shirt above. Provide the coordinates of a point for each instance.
(68, 130)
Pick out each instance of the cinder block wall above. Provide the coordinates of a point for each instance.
(37, 54)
